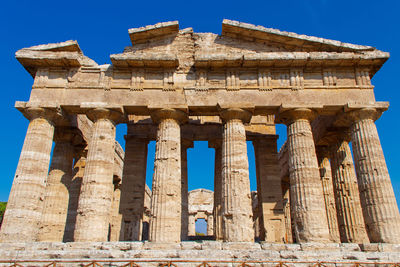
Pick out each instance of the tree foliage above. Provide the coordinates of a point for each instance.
(2, 209)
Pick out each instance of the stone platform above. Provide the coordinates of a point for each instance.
(213, 253)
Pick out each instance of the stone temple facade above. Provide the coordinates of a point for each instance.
(175, 87)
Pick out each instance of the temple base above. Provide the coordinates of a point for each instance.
(194, 253)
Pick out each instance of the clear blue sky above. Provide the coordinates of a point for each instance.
(101, 28)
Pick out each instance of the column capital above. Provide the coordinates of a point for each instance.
(363, 114)
(55, 116)
(169, 113)
(235, 114)
(289, 116)
(96, 114)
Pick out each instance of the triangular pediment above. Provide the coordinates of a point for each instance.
(239, 44)
(290, 40)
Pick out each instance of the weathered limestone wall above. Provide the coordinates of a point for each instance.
(133, 188)
(269, 190)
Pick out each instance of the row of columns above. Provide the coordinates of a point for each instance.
(232, 186)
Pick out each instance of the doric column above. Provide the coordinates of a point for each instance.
(133, 187)
(288, 215)
(348, 206)
(74, 191)
(217, 145)
(192, 225)
(55, 205)
(115, 216)
(165, 223)
(269, 190)
(185, 194)
(327, 189)
(24, 208)
(210, 225)
(92, 221)
(305, 184)
(236, 196)
(378, 202)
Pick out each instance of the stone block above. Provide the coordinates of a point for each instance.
(161, 246)
(369, 247)
(389, 247)
(319, 246)
(191, 245)
(241, 246)
(349, 247)
(214, 245)
(271, 246)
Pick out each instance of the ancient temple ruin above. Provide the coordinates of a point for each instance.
(175, 86)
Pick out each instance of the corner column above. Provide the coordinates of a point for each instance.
(325, 170)
(348, 206)
(217, 145)
(237, 222)
(185, 144)
(310, 219)
(165, 223)
(378, 201)
(55, 205)
(92, 221)
(269, 190)
(133, 187)
(24, 208)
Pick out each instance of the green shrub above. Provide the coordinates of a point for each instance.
(2, 209)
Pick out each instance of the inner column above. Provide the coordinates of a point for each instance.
(309, 212)
(236, 196)
(92, 221)
(165, 223)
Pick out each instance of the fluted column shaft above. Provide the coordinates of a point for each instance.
(310, 220)
(348, 206)
(378, 202)
(288, 216)
(55, 205)
(133, 188)
(115, 216)
(92, 222)
(269, 190)
(236, 197)
(185, 194)
(329, 196)
(217, 145)
(74, 191)
(24, 209)
(165, 223)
